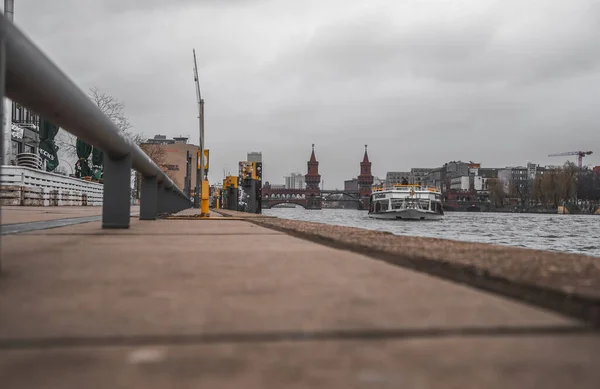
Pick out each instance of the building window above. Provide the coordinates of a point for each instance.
(29, 149)
(16, 147)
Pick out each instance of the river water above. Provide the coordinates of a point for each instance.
(568, 233)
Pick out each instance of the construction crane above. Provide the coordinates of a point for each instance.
(579, 154)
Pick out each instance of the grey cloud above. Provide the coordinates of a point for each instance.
(420, 82)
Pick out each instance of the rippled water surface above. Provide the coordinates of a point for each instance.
(570, 233)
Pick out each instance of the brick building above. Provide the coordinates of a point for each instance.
(174, 160)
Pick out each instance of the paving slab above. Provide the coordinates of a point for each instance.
(181, 227)
(152, 279)
(564, 282)
(231, 304)
(445, 363)
(22, 214)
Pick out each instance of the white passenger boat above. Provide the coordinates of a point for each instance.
(407, 202)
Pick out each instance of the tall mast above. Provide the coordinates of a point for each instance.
(200, 171)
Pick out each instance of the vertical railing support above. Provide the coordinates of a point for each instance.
(116, 200)
(149, 198)
(161, 195)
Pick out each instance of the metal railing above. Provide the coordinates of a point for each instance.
(33, 80)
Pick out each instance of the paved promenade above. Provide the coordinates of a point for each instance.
(230, 304)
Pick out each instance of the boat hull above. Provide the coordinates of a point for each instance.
(407, 214)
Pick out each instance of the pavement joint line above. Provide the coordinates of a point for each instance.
(102, 233)
(292, 336)
(17, 228)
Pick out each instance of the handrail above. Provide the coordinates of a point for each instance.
(34, 81)
(37, 83)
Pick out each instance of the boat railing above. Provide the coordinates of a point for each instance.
(408, 186)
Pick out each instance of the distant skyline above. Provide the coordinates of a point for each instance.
(422, 82)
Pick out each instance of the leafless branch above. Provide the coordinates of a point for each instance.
(112, 107)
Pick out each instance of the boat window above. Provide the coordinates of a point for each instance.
(397, 203)
(384, 205)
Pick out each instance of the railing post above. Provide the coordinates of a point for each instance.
(149, 198)
(173, 202)
(116, 207)
(161, 193)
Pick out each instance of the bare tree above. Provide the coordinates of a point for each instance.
(550, 187)
(568, 182)
(538, 192)
(114, 109)
(519, 190)
(588, 185)
(496, 189)
(157, 153)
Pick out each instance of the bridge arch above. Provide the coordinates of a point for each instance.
(273, 203)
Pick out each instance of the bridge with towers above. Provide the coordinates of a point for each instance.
(312, 196)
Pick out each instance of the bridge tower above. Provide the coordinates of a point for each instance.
(313, 179)
(365, 180)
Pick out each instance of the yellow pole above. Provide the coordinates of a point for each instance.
(204, 203)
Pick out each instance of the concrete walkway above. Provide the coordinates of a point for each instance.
(228, 304)
(18, 214)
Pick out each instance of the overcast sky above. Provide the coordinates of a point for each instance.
(422, 82)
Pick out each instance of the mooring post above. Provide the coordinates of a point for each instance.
(116, 199)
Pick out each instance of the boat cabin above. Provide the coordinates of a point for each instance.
(403, 197)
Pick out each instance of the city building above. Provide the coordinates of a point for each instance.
(458, 168)
(295, 181)
(460, 183)
(520, 178)
(159, 140)
(171, 155)
(393, 178)
(254, 156)
(24, 131)
(351, 185)
(417, 175)
(488, 172)
(436, 178)
(378, 182)
(414, 176)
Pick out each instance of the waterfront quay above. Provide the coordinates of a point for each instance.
(239, 300)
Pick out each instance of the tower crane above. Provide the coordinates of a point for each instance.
(579, 154)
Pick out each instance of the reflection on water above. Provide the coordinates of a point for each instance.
(569, 233)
